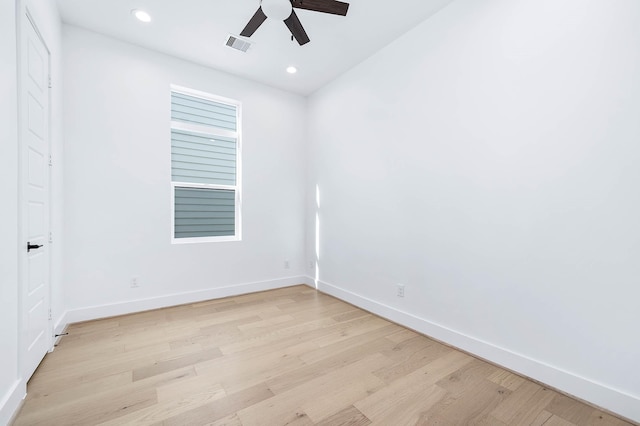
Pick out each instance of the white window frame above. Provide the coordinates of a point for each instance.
(213, 132)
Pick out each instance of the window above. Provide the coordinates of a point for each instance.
(205, 167)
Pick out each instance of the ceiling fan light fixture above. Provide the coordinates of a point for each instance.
(277, 9)
(141, 15)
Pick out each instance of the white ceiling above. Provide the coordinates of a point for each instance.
(196, 30)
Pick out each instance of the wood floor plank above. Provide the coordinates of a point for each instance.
(310, 371)
(570, 410)
(345, 330)
(48, 396)
(403, 334)
(506, 379)
(195, 385)
(353, 343)
(175, 363)
(349, 315)
(350, 416)
(509, 408)
(74, 373)
(472, 376)
(231, 420)
(376, 404)
(410, 355)
(83, 412)
(337, 400)
(557, 421)
(408, 408)
(169, 407)
(264, 324)
(541, 418)
(274, 335)
(249, 369)
(221, 408)
(475, 405)
(433, 416)
(598, 418)
(528, 413)
(287, 406)
(289, 356)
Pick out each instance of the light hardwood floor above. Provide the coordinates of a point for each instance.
(291, 356)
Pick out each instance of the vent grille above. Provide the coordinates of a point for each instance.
(237, 43)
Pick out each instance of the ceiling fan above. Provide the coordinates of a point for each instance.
(282, 10)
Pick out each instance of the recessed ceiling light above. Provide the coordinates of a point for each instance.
(292, 70)
(141, 15)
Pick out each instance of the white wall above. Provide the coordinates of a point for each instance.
(488, 160)
(117, 183)
(9, 377)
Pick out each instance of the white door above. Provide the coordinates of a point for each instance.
(36, 332)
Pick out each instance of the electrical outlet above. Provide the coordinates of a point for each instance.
(286, 264)
(400, 290)
(312, 265)
(134, 282)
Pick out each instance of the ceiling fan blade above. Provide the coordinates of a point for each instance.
(296, 28)
(254, 23)
(327, 6)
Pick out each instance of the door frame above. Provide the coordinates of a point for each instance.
(26, 19)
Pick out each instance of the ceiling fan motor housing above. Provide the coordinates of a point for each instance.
(277, 9)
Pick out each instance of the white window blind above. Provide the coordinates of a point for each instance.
(202, 159)
(204, 167)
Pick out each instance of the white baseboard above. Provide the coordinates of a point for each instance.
(113, 309)
(598, 394)
(12, 401)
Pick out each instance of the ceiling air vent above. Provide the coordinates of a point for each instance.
(237, 43)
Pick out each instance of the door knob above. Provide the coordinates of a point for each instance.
(32, 246)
